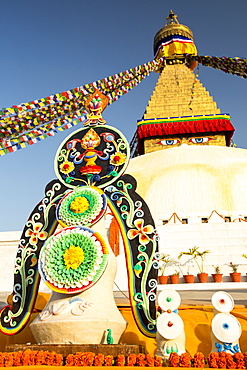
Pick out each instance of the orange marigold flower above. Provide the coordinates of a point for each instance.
(221, 360)
(131, 359)
(109, 360)
(69, 360)
(140, 359)
(238, 358)
(158, 361)
(245, 359)
(213, 359)
(99, 359)
(185, 360)
(198, 360)
(1, 359)
(120, 361)
(8, 359)
(174, 359)
(17, 358)
(149, 360)
(26, 357)
(230, 364)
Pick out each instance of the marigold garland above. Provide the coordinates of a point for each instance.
(32, 358)
(221, 360)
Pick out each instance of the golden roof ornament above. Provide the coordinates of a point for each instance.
(172, 27)
(172, 18)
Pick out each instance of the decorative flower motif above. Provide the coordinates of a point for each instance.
(36, 233)
(118, 158)
(73, 259)
(83, 206)
(141, 231)
(66, 167)
(79, 205)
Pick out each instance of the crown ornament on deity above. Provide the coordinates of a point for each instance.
(95, 105)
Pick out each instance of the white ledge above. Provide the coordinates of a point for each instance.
(204, 286)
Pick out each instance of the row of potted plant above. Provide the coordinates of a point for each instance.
(195, 255)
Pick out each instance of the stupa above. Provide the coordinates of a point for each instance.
(192, 178)
(196, 190)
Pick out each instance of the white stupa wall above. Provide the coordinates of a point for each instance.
(8, 247)
(226, 241)
(9, 241)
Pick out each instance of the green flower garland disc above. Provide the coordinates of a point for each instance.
(83, 206)
(73, 259)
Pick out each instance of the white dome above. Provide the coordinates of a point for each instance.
(192, 179)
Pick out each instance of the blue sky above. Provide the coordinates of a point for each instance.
(52, 46)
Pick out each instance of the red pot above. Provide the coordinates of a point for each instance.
(174, 279)
(189, 279)
(217, 278)
(202, 277)
(236, 277)
(163, 279)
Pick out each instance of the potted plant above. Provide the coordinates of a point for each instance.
(174, 278)
(217, 276)
(195, 254)
(164, 260)
(188, 278)
(235, 275)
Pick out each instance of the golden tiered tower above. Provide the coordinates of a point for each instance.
(180, 109)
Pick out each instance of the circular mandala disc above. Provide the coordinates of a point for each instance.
(169, 299)
(95, 155)
(73, 259)
(170, 325)
(83, 206)
(226, 327)
(222, 301)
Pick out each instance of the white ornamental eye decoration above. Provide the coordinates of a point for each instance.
(222, 301)
(169, 299)
(226, 328)
(170, 325)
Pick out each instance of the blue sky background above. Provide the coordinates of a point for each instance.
(54, 45)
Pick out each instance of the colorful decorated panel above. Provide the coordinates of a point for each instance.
(73, 259)
(83, 207)
(92, 156)
(141, 249)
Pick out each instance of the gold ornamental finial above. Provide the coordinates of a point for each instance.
(165, 46)
(172, 18)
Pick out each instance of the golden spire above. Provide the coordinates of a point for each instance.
(172, 18)
(172, 28)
